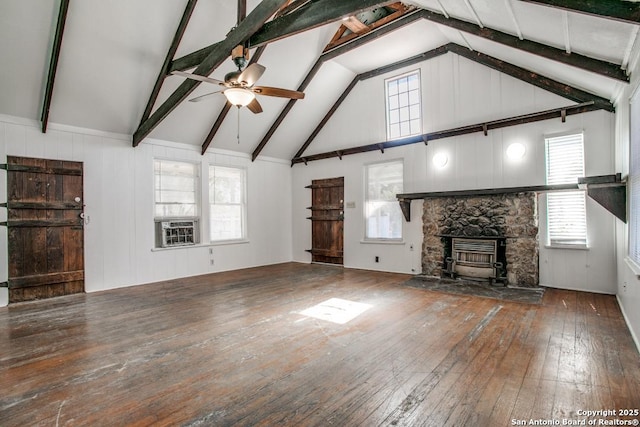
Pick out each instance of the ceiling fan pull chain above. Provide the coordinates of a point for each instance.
(238, 134)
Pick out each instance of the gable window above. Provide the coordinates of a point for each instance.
(227, 205)
(383, 217)
(566, 210)
(404, 109)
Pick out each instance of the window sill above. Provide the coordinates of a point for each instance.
(173, 248)
(633, 266)
(570, 247)
(201, 245)
(382, 242)
(228, 242)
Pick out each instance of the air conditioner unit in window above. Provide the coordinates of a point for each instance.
(179, 232)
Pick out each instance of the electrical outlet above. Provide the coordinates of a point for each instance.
(411, 247)
(210, 251)
(377, 258)
(211, 261)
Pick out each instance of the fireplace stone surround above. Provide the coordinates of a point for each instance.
(512, 216)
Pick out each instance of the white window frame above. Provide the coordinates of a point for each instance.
(566, 210)
(242, 204)
(391, 202)
(399, 113)
(634, 181)
(196, 191)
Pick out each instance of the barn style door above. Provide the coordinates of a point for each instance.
(327, 220)
(45, 228)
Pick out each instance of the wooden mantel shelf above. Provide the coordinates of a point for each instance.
(607, 190)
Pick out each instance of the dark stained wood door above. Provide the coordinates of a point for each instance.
(327, 220)
(45, 228)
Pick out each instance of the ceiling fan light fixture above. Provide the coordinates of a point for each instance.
(239, 97)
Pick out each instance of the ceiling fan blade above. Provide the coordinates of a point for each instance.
(279, 92)
(198, 77)
(251, 74)
(254, 106)
(203, 97)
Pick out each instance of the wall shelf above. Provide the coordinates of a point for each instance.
(608, 190)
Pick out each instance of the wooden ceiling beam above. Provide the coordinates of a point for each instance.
(254, 21)
(241, 11)
(625, 11)
(312, 15)
(603, 68)
(325, 56)
(291, 6)
(182, 26)
(285, 111)
(306, 17)
(354, 25)
(546, 83)
(401, 20)
(340, 38)
(327, 116)
(53, 63)
(448, 133)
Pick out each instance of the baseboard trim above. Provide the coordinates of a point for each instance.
(593, 291)
(626, 319)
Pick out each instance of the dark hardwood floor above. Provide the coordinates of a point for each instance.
(232, 349)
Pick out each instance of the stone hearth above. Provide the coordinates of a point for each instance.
(513, 216)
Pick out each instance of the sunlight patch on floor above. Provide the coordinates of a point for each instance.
(336, 310)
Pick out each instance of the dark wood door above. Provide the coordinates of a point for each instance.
(45, 228)
(327, 220)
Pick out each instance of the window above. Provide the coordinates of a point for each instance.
(566, 212)
(176, 185)
(403, 106)
(227, 203)
(383, 217)
(634, 179)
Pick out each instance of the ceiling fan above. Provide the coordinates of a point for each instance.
(239, 85)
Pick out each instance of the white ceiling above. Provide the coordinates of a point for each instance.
(112, 52)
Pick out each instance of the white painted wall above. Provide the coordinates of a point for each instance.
(118, 187)
(628, 283)
(357, 254)
(459, 92)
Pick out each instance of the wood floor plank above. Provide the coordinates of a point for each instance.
(233, 349)
(499, 396)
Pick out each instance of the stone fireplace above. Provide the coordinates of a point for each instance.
(509, 220)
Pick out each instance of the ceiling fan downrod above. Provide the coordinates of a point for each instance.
(238, 131)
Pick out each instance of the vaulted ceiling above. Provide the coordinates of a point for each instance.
(112, 55)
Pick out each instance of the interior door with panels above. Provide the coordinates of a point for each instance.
(45, 228)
